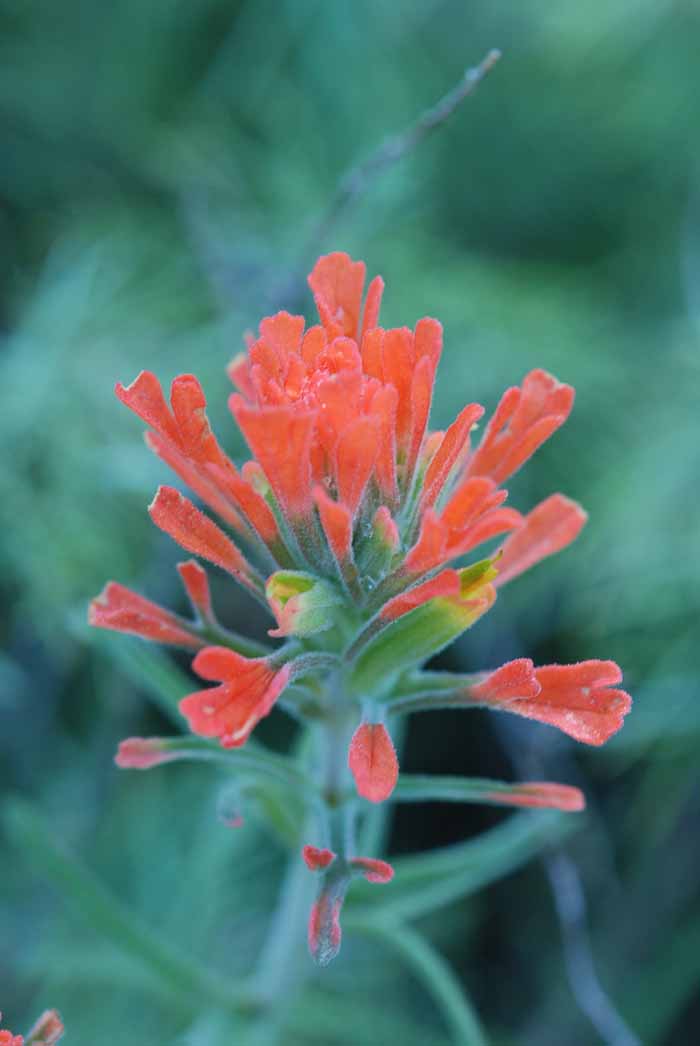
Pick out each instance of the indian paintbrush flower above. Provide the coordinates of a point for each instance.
(345, 526)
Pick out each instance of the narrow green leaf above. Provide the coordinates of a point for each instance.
(426, 882)
(35, 841)
(416, 788)
(433, 972)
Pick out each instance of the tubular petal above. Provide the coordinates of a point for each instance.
(336, 282)
(523, 420)
(238, 371)
(203, 485)
(355, 456)
(386, 530)
(431, 547)
(550, 527)
(542, 795)
(421, 399)
(514, 680)
(373, 763)
(280, 438)
(336, 520)
(145, 397)
(397, 370)
(373, 304)
(143, 753)
(445, 584)
(177, 516)
(194, 578)
(452, 446)
(196, 438)
(250, 502)
(383, 409)
(120, 609)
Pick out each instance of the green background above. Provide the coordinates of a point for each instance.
(165, 169)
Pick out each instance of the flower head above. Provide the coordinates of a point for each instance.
(350, 526)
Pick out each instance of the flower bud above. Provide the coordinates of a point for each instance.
(302, 603)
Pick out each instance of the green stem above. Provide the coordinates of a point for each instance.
(283, 961)
(215, 633)
(434, 973)
(251, 760)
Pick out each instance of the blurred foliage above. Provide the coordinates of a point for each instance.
(164, 168)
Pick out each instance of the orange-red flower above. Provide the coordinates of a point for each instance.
(346, 526)
(550, 527)
(581, 700)
(247, 691)
(122, 610)
(523, 420)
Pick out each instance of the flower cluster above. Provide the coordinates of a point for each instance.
(350, 525)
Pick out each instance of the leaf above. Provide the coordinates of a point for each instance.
(426, 882)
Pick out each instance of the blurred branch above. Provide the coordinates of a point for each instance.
(570, 905)
(358, 178)
(352, 184)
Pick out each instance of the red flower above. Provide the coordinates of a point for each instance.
(194, 578)
(581, 700)
(373, 763)
(549, 528)
(122, 610)
(247, 692)
(523, 420)
(177, 516)
(346, 525)
(471, 516)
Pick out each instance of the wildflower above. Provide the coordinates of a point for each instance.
(581, 700)
(248, 688)
(324, 930)
(346, 526)
(118, 608)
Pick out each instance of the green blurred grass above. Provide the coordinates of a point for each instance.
(163, 168)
